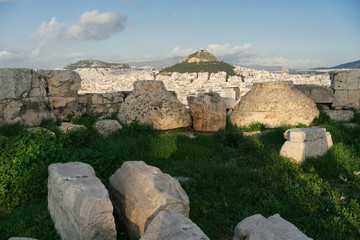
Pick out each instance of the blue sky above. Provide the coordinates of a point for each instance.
(297, 34)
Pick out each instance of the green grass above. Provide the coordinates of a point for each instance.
(233, 176)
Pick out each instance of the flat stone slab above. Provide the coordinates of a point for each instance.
(169, 224)
(257, 227)
(340, 115)
(304, 134)
(79, 203)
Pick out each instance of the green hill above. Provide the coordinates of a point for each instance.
(200, 61)
(95, 64)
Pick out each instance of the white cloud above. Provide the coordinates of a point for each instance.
(92, 25)
(229, 50)
(5, 54)
(48, 30)
(246, 55)
(178, 52)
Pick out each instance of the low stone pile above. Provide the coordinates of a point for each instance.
(151, 205)
(305, 142)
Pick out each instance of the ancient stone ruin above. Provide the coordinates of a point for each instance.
(208, 112)
(346, 86)
(305, 142)
(274, 104)
(27, 96)
(139, 192)
(257, 227)
(150, 103)
(79, 203)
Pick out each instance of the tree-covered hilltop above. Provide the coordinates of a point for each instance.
(95, 64)
(200, 61)
(210, 67)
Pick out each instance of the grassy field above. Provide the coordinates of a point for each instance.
(232, 176)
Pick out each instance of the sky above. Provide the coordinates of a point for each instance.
(46, 34)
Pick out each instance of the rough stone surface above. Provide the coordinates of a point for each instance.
(274, 104)
(151, 104)
(139, 192)
(66, 127)
(318, 94)
(340, 115)
(79, 203)
(346, 85)
(306, 142)
(169, 224)
(107, 127)
(41, 130)
(15, 82)
(21, 238)
(304, 134)
(61, 83)
(257, 227)
(208, 112)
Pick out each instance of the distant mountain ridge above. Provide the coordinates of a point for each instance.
(95, 64)
(349, 65)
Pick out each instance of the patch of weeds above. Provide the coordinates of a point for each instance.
(11, 130)
(256, 126)
(322, 119)
(86, 120)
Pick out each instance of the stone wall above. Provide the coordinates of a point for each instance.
(346, 86)
(27, 96)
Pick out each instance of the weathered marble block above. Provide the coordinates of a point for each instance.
(169, 224)
(139, 192)
(208, 112)
(79, 203)
(107, 127)
(257, 227)
(340, 115)
(305, 142)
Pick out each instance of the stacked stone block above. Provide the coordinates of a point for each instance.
(305, 142)
(346, 86)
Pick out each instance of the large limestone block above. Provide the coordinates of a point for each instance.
(15, 82)
(274, 104)
(208, 112)
(257, 227)
(169, 224)
(79, 203)
(61, 83)
(139, 192)
(150, 103)
(107, 127)
(318, 94)
(306, 142)
(345, 80)
(340, 115)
